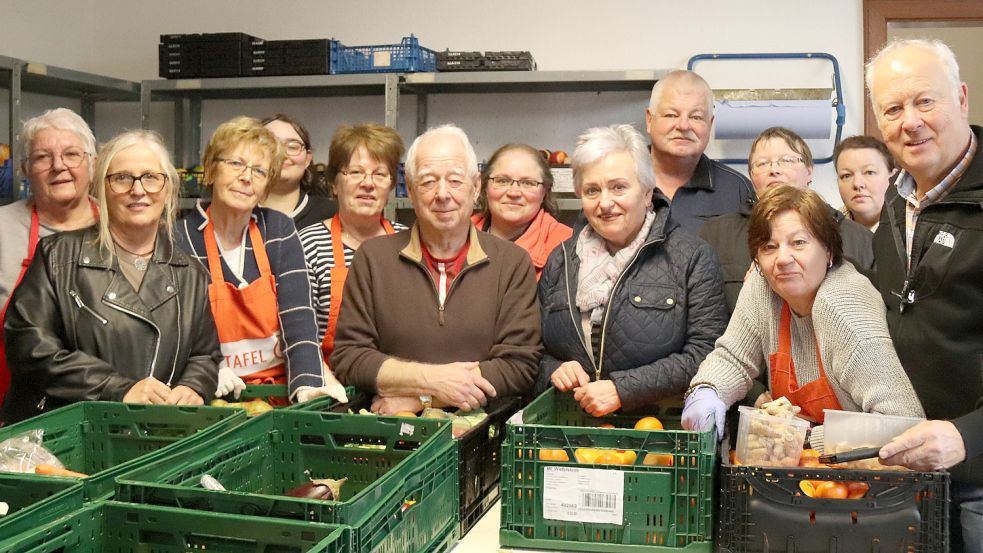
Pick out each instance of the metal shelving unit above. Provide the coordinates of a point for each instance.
(19, 76)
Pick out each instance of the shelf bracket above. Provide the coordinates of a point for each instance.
(16, 147)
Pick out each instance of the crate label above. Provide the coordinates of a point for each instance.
(583, 495)
(406, 429)
(562, 179)
(381, 59)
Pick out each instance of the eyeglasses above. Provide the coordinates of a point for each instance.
(152, 183)
(42, 160)
(764, 165)
(256, 173)
(295, 147)
(503, 183)
(358, 176)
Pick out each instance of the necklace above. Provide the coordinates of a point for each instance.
(140, 261)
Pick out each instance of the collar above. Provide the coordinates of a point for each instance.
(701, 175)
(906, 183)
(202, 211)
(301, 204)
(414, 250)
(92, 255)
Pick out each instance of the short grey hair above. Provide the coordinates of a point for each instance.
(61, 119)
(684, 77)
(599, 142)
(108, 153)
(449, 129)
(942, 52)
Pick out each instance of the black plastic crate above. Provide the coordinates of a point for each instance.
(764, 510)
(287, 57)
(509, 61)
(203, 55)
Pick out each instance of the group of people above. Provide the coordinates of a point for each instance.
(682, 277)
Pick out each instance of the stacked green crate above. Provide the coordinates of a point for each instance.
(112, 526)
(402, 477)
(662, 500)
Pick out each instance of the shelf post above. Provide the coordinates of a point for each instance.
(16, 148)
(392, 100)
(145, 106)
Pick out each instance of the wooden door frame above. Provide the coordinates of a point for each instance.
(878, 13)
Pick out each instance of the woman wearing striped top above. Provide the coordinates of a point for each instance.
(259, 292)
(362, 163)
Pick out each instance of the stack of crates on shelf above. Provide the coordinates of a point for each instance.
(510, 60)
(400, 494)
(188, 56)
(765, 509)
(406, 57)
(113, 526)
(570, 484)
(104, 439)
(479, 452)
(287, 57)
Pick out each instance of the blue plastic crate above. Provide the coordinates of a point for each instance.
(406, 57)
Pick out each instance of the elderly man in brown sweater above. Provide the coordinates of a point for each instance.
(442, 313)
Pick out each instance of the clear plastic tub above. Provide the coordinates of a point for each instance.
(847, 430)
(767, 441)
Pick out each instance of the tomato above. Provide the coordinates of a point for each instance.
(832, 490)
(606, 425)
(857, 490)
(648, 423)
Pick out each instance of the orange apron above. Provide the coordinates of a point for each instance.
(32, 243)
(247, 319)
(339, 272)
(814, 396)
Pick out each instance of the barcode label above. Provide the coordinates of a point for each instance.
(583, 495)
(602, 501)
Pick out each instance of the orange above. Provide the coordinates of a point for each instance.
(553, 455)
(648, 423)
(857, 490)
(832, 490)
(609, 457)
(807, 488)
(404, 414)
(628, 456)
(606, 425)
(809, 458)
(586, 455)
(658, 459)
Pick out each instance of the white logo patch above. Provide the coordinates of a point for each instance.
(946, 239)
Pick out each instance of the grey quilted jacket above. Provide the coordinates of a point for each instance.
(665, 313)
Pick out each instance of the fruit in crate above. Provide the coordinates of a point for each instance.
(253, 407)
(324, 489)
(559, 157)
(658, 459)
(553, 455)
(648, 423)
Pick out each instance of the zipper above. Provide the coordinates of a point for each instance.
(440, 303)
(577, 327)
(607, 309)
(81, 305)
(153, 362)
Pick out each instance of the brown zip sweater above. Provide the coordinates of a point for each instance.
(391, 309)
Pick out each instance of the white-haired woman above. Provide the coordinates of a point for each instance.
(115, 311)
(57, 162)
(632, 303)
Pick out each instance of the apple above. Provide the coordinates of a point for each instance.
(559, 157)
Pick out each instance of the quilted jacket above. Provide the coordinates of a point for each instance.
(665, 313)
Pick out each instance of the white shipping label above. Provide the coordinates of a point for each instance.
(584, 495)
(562, 179)
(381, 59)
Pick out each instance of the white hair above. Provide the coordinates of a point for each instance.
(599, 142)
(942, 52)
(449, 129)
(61, 119)
(681, 77)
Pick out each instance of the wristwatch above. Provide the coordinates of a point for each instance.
(427, 401)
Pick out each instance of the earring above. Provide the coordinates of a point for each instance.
(830, 264)
(757, 267)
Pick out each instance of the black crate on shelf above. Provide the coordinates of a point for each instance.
(459, 61)
(509, 61)
(203, 55)
(288, 57)
(764, 509)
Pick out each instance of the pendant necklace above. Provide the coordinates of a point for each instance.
(140, 260)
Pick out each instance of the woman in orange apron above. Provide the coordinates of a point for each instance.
(363, 162)
(259, 291)
(817, 322)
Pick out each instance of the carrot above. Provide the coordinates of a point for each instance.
(55, 471)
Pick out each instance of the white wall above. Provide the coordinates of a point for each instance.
(119, 38)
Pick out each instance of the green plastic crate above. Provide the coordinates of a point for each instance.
(112, 526)
(401, 493)
(34, 499)
(263, 391)
(665, 508)
(104, 439)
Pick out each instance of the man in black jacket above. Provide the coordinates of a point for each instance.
(679, 119)
(929, 266)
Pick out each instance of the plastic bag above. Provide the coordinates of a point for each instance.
(24, 451)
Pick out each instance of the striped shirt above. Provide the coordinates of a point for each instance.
(293, 294)
(908, 190)
(318, 251)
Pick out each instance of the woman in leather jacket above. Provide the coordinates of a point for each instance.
(114, 311)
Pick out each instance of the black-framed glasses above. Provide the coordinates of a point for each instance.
(122, 183)
(785, 162)
(295, 147)
(256, 173)
(379, 178)
(43, 160)
(503, 183)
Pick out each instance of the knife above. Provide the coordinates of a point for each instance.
(852, 455)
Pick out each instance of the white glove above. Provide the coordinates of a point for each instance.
(335, 390)
(229, 383)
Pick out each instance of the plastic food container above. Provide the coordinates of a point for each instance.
(846, 430)
(767, 441)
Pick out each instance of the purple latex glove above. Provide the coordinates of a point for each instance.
(702, 409)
